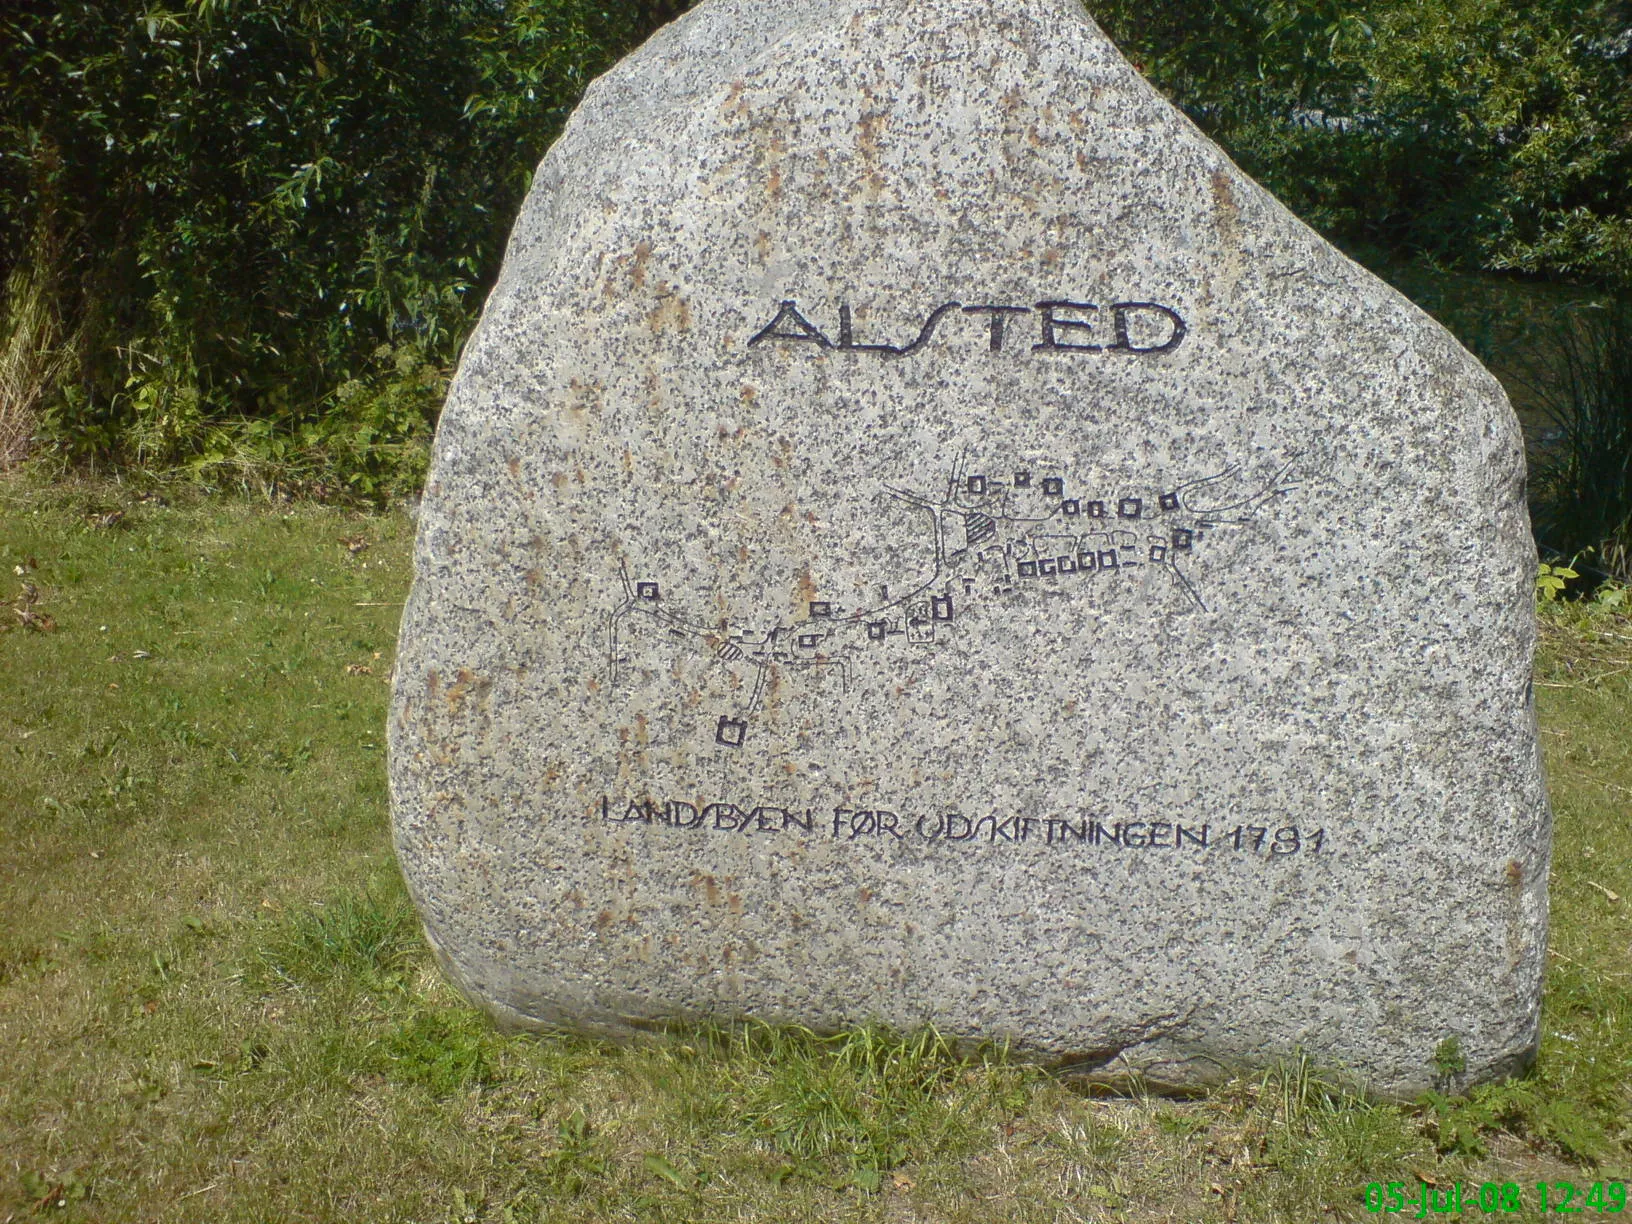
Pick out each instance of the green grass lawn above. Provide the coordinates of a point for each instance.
(215, 1004)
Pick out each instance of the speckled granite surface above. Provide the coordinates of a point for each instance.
(918, 535)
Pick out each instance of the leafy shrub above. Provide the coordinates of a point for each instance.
(1471, 131)
(242, 202)
(370, 441)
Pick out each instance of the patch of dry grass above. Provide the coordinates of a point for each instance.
(32, 358)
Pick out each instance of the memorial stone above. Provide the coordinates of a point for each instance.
(919, 536)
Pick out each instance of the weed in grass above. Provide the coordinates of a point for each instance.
(1449, 1061)
(682, 1179)
(443, 1051)
(368, 937)
(858, 1098)
(575, 1160)
(1463, 1126)
(49, 1193)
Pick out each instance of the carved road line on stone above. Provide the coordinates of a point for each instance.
(1023, 529)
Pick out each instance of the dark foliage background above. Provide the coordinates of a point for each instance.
(1482, 133)
(281, 214)
(246, 238)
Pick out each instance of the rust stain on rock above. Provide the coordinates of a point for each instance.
(467, 684)
(671, 311)
(709, 885)
(1227, 210)
(870, 132)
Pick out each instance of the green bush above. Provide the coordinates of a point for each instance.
(369, 441)
(1472, 131)
(237, 204)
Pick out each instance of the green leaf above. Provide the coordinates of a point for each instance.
(866, 1178)
(677, 1177)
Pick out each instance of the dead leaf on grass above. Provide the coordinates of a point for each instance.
(26, 610)
(354, 544)
(359, 669)
(1608, 892)
(106, 519)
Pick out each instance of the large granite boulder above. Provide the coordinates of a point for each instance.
(919, 536)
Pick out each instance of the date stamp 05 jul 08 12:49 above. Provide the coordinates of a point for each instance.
(1398, 1198)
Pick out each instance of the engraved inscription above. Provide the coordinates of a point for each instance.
(886, 826)
(1141, 328)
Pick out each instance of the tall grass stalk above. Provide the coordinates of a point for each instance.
(32, 358)
(1581, 378)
